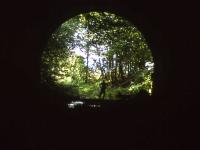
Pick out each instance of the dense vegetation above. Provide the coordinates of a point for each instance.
(93, 47)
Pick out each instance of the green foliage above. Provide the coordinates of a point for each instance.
(121, 56)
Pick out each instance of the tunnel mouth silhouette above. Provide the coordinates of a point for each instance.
(97, 56)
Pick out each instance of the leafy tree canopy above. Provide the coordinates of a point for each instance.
(98, 46)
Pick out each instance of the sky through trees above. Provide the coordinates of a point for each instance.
(98, 46)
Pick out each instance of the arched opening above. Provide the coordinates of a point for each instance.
(29, 120)
(97, 55)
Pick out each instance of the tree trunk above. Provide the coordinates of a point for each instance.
(87, 66)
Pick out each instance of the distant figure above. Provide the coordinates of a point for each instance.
(102, 89)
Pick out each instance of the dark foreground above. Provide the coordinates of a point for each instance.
(142, 125)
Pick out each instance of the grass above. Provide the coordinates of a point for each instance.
(91, 90)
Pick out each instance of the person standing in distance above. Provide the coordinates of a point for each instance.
(103, 87)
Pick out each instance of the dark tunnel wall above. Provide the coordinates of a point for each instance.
(172, 32)
(29, 29)
(26, 30)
